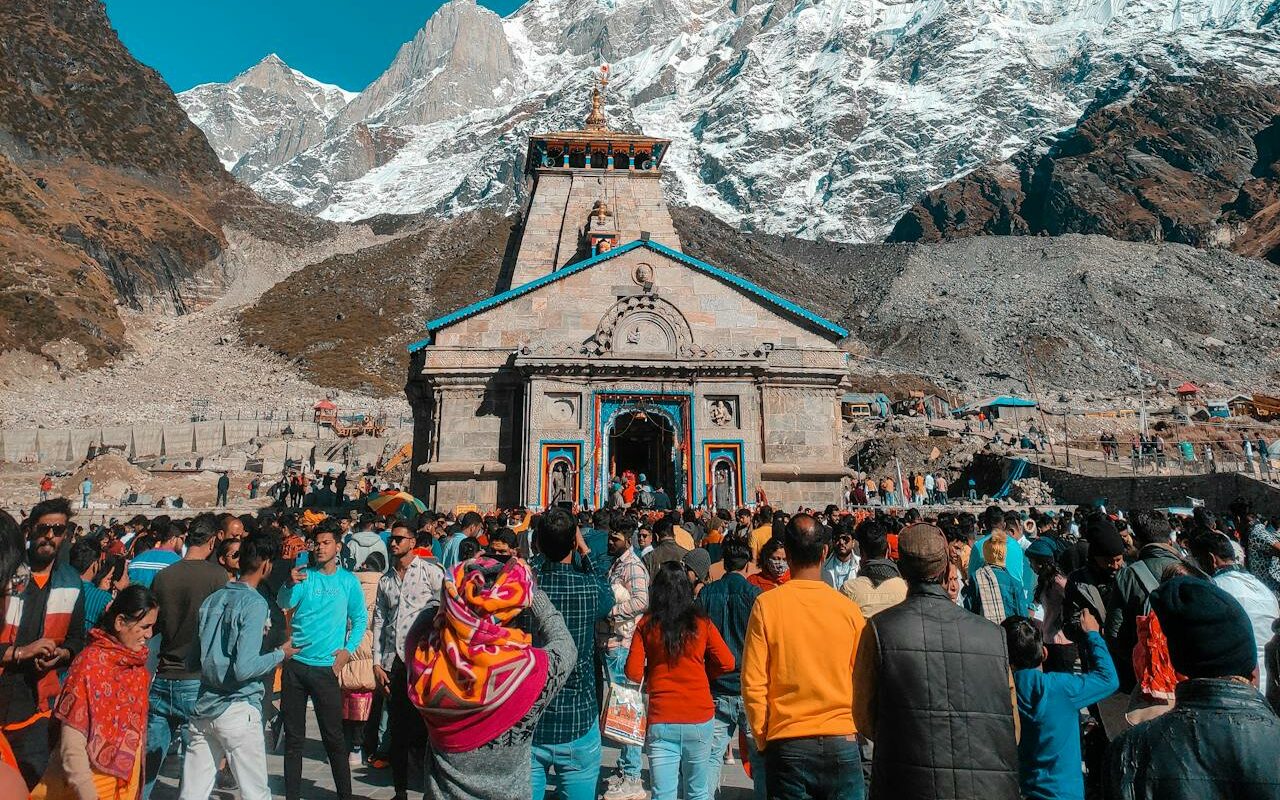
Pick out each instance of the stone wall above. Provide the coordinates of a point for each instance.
(463, 446)
(1151, 491)
(562, 202)
(569, 311)
(791, 495)
(803, 425)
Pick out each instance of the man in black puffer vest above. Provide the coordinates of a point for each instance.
(933, 690)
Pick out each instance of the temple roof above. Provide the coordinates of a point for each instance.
(596, 133)
(791, 309)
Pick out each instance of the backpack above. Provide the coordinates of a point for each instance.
(1156, 677)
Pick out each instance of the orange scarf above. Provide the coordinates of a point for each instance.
(105, 698)
(470, 675)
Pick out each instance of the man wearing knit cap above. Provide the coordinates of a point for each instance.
(933, 690)
(1092, 585)
(1221, 740)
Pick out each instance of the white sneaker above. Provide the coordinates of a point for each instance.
(355, 759)
(625, 789)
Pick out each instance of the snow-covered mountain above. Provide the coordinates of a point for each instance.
(264, 116)
(822, 118)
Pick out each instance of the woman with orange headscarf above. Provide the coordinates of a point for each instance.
(103, 707)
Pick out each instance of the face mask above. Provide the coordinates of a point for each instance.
(777, 565)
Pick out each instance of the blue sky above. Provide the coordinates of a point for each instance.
(347, 42)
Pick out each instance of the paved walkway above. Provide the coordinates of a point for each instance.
(371, 784)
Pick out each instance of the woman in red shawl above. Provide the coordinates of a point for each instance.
(103, 707)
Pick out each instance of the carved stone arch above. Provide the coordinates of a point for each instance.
(642, 324)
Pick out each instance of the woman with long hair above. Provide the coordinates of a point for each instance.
(676, 651)
(103, 707)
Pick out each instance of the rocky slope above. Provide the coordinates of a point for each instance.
(265, 115)
(1179, 157)
(109, 195)
(826, 118)
(1088, 312)
(347, 320)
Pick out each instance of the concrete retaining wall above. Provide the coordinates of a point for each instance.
(239, 431)
(178, 439)
(118, 437)
(80, 440)
(18, 445)
(208, 436)
(147, 442)
(62, 445)
(51, 445)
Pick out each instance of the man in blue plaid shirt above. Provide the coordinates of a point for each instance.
(567, 738)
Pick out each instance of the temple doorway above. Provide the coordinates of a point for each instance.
(724, 485)
(644, 443)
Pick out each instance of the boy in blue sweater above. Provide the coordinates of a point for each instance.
(227, 720)
(328, 618)
(1049, 704)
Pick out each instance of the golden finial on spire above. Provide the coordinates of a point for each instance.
(595, 120)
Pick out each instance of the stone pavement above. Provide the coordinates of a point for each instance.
(372, 784)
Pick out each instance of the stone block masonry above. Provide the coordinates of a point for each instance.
(1217, 490)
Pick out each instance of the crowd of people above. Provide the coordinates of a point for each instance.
(881, 653)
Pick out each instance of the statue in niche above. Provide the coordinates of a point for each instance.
(723, 487)
(562, 488)
(721, 413)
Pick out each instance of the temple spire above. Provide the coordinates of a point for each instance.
(595, 120)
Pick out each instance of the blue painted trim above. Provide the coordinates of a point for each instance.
(745, 285)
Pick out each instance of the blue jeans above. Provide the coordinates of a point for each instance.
(171, 705)
(730, 718)
(680, 756)
(815, 767)
(576, 763)
(629, 759)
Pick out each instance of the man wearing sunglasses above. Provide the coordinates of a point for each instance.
(42, 632)
(406, 730)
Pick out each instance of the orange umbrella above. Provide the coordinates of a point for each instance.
(389, 503)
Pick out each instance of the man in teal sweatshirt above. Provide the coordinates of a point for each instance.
(227, 717)
(1049, 703)
(328, 619)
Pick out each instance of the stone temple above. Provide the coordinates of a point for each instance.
(611, 350)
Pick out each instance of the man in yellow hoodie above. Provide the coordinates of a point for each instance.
(797, 677)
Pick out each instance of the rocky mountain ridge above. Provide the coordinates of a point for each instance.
(109, 196)
(823, 118)
(265, 115)
(1180, 157)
